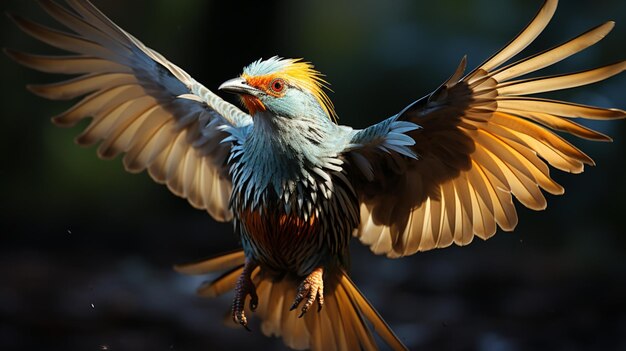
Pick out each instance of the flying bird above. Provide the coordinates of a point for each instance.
(298, 186)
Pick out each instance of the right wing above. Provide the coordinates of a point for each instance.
(481, 141)
(142, 105)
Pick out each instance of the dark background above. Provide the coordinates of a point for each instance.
(87, 249)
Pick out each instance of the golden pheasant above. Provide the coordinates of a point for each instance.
(298, 186)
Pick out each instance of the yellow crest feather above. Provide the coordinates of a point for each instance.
(304, 74)
(296, 71)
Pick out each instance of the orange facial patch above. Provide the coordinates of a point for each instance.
(265, 83)
(300, 74)
(252, 103)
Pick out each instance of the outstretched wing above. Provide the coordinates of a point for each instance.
(481, 141)
(142, 104)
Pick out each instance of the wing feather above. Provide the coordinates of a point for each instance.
(66, 41)
(140, 104)
(482, 141)
(66, 64)
(559, 82)
(554, 55)
(524, 38)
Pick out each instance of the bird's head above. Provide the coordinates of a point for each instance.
(284, 87)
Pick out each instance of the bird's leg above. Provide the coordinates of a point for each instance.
(243, 288)
(312, 287)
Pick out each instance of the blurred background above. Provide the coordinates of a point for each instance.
(87, 249)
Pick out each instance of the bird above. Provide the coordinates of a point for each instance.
(298, 186)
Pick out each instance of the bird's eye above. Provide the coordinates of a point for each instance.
(277, 85)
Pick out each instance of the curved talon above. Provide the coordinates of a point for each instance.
(254, 300)
(320, 301)
(313, 289)
(240, 318)
(243, 288)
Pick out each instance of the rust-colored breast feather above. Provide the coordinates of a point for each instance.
(281, 236)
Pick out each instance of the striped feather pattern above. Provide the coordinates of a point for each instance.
(140, 104)
(482, 142)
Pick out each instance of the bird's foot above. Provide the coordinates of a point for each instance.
(311, 288)
(243, 288)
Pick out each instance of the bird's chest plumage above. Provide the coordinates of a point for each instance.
(282, 241)
(287, 224)
(291, 209)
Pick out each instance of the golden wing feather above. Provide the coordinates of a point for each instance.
(138, 103)
(483, 141)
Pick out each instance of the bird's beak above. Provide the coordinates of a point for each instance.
(239, 86)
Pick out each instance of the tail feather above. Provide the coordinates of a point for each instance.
(371, 314)
(214, 264)
(356, 322)
(223, 284)
(346, 322)
(345, 340)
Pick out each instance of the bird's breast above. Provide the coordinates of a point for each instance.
(294, 206)
(273, 227)
(281, 240)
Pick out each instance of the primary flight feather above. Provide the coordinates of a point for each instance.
(298, 186)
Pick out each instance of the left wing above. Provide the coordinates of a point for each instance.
(141, 104)
(481, 141)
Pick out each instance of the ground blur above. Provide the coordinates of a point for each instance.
(87, 249)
